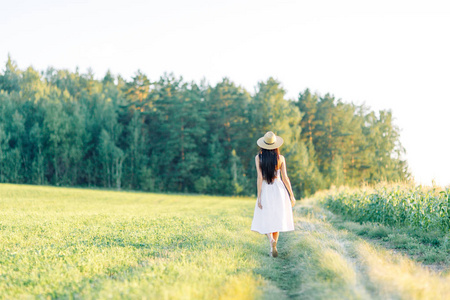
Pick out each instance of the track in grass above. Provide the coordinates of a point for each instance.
(321, 261)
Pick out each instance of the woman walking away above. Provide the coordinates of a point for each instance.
(273, 208)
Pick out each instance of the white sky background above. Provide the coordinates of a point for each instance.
(387, 54)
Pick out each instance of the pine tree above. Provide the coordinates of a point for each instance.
(181, 123)
(10, 80)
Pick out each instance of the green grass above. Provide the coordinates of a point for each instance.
(65, 243)
(90, 244)
(429, 247)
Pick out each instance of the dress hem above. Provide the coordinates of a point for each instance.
(286, 230)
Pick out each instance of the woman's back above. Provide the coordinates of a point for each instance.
(269, 163)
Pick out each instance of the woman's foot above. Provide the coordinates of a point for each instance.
(274, 248)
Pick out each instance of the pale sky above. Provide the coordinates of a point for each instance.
(387, 54)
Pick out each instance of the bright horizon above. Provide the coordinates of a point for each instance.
(390, 55)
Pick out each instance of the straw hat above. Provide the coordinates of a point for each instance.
(270, 141)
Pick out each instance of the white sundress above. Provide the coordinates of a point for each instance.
(276, 212)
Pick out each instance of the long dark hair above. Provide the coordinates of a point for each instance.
(269, 161)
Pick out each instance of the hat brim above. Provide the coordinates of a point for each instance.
(275, 145)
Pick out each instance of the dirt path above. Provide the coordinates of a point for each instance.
(318, 261)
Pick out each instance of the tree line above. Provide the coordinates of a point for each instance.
(69, 129)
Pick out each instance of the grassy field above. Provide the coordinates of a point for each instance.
(91, 244)
(77, 243)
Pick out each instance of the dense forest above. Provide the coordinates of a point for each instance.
(70, 129)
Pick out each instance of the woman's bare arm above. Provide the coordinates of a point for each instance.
(259, 180)
(286, 180)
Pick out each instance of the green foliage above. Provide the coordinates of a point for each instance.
(423, 208)
(65, 128)
(352, 145)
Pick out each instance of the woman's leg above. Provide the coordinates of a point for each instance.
(275, 235)
(270, 238)
(274, 244)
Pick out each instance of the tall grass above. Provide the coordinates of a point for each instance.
(395, 205)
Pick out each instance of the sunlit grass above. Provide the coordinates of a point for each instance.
(397, 275)
(334, 263)
(90, 244)
(93, 244)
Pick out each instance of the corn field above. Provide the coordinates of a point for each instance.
(416, 207)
